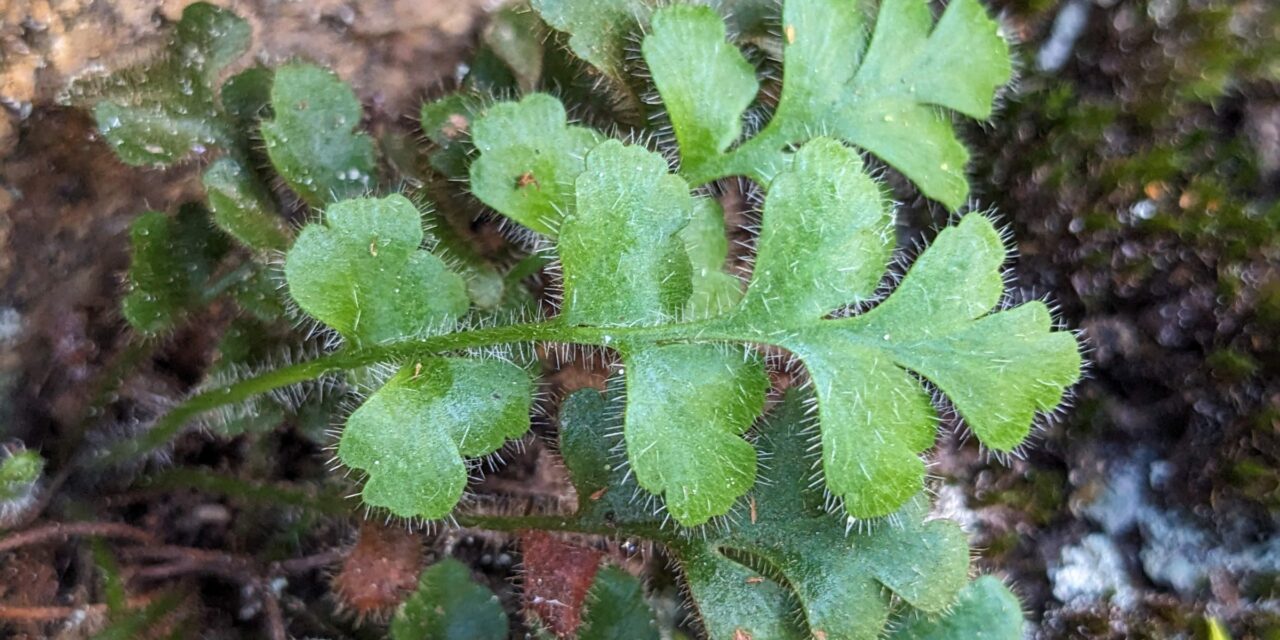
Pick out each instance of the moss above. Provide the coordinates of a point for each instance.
(1267, 310)
(1039, 495)
(1232, 365)
(1001, 545)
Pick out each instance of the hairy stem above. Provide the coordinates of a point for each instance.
(317, 499)
(566, 524)
(227, 281)
(168, 426)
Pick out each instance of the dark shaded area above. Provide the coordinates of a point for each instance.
(1140, 180)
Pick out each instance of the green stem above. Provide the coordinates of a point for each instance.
(325, 501)
(319, 499)
(526, 267)
(566, 524)
(168, 426)
(227, 281)
(519, 523)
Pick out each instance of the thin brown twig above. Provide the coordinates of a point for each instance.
(170, 570)
(46, 614)
(187, 560)
(309, 563)
(227, 563)
(177, 552)
(63, 531)
(182, 561)
(274, 616)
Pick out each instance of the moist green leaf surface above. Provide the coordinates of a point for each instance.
(598, 30)
(312, 139)
(687, 408)
(985, 610)
(825, 239)
(151, 135)
(786, 551)
(705, 100)
(529, 159)
(885, 94)
(714, 290)
(449, 605)
(517, 37)
(412, 436)
(623, 261)
(242, 207)
(165, 111)
(616, 609)
(173, 258)
(363, 273)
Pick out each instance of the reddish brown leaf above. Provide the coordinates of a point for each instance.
(381, 570)
(557, 575)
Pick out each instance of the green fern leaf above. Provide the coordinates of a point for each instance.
(635, 248)
(688, 445)
(826, 238)
(883, 95)
(824, 216)
(165, 112)
(449, 605)
(414, 434)
(242, 207)
(827, 235)
(638, 272)
(312, 138)
(985, 610)
(616, 609)
(529, 160)
(598, 30)
(173, 258)
(786, 551)
(168, 110)
(363, 273)
(704, 101)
